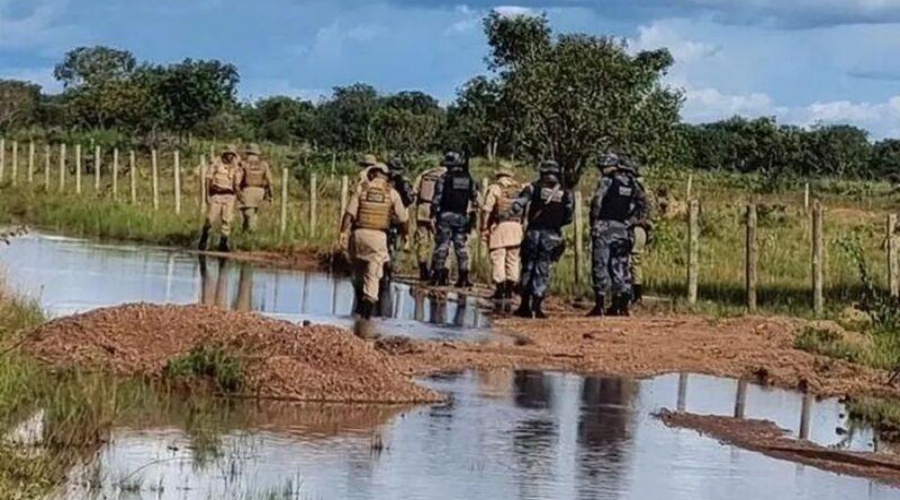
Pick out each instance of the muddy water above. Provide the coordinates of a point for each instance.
(70, 276)
(503, 435)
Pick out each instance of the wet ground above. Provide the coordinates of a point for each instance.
(504, 435)
(69, 276)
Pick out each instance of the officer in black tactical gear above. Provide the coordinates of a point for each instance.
(619, 204)
(548, 206)
(455, 195)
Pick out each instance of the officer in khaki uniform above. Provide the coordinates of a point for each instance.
(223, 181)
(502, 228)
(366, 163)
(364, 231)
(423, 238)
(256, 186)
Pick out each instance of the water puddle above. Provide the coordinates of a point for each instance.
(504, 434)
(69, 276)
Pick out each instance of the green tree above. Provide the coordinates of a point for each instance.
(476, 118)
(407, 122)
(92, 66)
(196, 91)
(284, 119)
(886, 158)
(347, 119)
(19, 104)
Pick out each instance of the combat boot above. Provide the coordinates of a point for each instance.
(365, 309)
(510, 290)
(500, 291)
(463, 280)
(424, 273)
(637, 294)
(599, 306)
(444, 277)
(524, 310)
(223, 244)
(624, 304)
(204, 239)
(536, 308)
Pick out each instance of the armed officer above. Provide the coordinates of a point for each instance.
(619, 204)
(423, 238)
(401, 184)
(223, 180)
(502, 228)
(548, 206)
(454, 197)
(256, 186)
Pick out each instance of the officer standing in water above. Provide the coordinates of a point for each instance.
(454, 198)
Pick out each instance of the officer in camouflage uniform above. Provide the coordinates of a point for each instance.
(223, 180)
(401, 184)
(364, 229)
(502, 228)
(423, 238)
(454, 196)
(548, 207)
(618, 205)
(256, 186)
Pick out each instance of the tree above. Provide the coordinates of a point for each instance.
(196, 91)
(91, 66)
(19, 104)
(347, 119)
(407, 122)
(838, 150)
(568, 98)
(886, 158)
(283, 119)
(476, 118)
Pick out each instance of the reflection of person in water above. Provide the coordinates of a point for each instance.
(214, 290)
(245, 289)
(438, 309)
(603, 434)
(535, 439)
(418, 295)
(460, 318)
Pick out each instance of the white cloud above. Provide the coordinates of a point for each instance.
(660, 35)
(514, 11)
(36, 24)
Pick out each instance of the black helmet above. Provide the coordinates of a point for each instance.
(609, 160)
(549, 167)
(395, 165)
(452, 159)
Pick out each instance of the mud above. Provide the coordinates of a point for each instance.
(280, 360)
(767, 438)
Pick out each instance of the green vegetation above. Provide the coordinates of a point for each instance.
(883, 414)
(213, 363)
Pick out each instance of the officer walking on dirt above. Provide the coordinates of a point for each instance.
(548, 207)
(223, 180)
(619, 204)
(454, 198)
(502, 227)
(423, 237)
(256, 186)
(364, 229)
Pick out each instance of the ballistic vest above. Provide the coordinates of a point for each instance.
(548, 207)
(254, 174)
(457, 192)
(508, 195)
(223, 177)
(618, 200)
(374, 207)
(427, 185)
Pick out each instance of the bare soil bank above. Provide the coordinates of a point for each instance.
(279, 360)
(767, 438)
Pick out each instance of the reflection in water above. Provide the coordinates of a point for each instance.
(603, 434)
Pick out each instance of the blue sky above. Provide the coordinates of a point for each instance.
(804, 61)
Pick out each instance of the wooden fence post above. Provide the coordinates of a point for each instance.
(689, 193)
(154, 165)
(579, 239)
(97, 161)
(693, 250)
(132, 171)
(284, 200)
(78, 169)
(115, 174)
(203, 168)
(2, 158)
(177, 183)
(62, 167)
(47, 166)
(893, 261)
(345, 198)
(313, 204)
(806, 198)
(818, 258)
(15, 163)
(751, 255)
(31, 162)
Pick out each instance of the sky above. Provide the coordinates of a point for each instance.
(805, 62)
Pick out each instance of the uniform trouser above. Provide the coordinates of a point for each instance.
(611, 258)
(637, 255)
(452, 229)
(505, 264)
(423, 240)
(221, 213)
(252, 197)
(540, 250)
(367, 275)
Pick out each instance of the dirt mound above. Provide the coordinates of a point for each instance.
(277, 359)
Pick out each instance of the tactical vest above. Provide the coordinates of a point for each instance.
(254, 175)
(223, 178)
(548, 207)
(374, 208)
(427, 186)
(505, 201)
(618, 200)
(457, 192)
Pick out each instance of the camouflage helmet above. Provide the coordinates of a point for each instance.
(380, 168)
(368, 160)
(549, 167)
(230, 149)
(452, 159)
(395, 165)
(252, 149)
(609, 160)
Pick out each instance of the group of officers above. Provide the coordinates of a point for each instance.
(522, 225)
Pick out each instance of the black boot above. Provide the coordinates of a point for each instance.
(510, 289)
(223, 244)
(424, 273)
(599, 305)
(365, 309)
(500, 291)
(524, 310)
(536, 308)
(463, 281)
(204, 239)
(637, 295)
(444, 277)
(624, 304)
